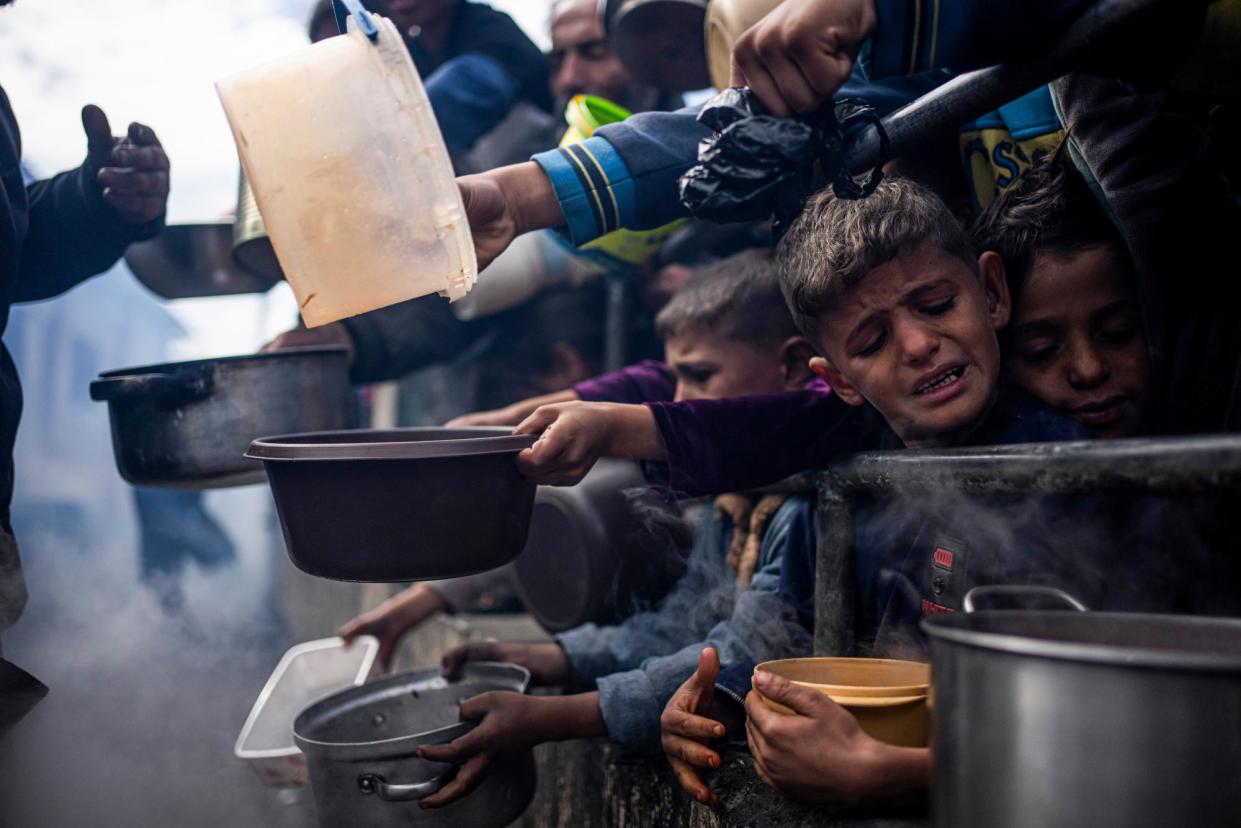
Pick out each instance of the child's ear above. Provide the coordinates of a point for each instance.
(795, 355)
(995, 287)
(840, 386)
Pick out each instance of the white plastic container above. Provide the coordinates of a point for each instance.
(306, 673)
(351, 175)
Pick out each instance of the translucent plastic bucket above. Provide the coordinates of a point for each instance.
(351, 176)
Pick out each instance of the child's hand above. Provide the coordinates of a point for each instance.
(821, 754)
(547, 663)
(508, 722)
(393, 618)
(574, 435)
(685, 728)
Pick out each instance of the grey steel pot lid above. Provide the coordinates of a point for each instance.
(390, 444)
(1139, 640)
(284, 353)
(395, 715)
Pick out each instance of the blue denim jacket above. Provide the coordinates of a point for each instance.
(639, 663)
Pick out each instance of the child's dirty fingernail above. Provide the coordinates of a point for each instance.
(718, 730)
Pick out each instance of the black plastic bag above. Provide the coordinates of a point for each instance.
(755, 166)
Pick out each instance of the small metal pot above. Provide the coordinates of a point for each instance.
(1085, 719)
(187, 425)
(361, 744)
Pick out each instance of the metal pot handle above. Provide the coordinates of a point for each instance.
(175, 388)
(1022, 591)
(370, 783)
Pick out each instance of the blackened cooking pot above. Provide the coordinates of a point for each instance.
(590, 555)
(403, 504)
(1067, 719)
(361, 744)
(188, 424)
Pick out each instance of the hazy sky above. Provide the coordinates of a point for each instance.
(154, 61)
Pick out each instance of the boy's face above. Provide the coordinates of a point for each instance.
(1077, 341)
(709, 365)
(917, 340)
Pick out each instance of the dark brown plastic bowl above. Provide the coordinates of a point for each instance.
(406, 504)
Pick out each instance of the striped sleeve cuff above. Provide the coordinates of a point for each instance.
(593, 186)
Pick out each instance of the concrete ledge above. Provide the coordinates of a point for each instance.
(588, 784)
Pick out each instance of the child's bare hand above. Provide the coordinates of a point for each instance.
(796, 57)
(820, 753)
(574, 435)
(547, 663)
(507, 722)
(686, 728)
(393, 618)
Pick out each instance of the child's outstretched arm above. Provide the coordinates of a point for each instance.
(820, 754)
(573, 435)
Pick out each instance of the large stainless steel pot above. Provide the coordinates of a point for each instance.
(360, 745)
(1051, 718)
(188, 424)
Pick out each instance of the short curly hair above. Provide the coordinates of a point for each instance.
(835, 242)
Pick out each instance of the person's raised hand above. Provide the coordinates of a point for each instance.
(547, 663)
(334, 333)
(685, 728)
(819, 753)
(800, 53)
(132, 172)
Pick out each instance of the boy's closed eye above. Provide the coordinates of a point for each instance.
(697, 374)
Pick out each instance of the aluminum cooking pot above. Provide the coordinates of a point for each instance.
(361, 744)
(1085, 719)
(187, 425)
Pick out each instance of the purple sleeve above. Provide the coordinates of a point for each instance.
(647, 381)
(717, 446)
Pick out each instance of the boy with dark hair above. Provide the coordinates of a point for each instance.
(1076, 340)
(906, 319)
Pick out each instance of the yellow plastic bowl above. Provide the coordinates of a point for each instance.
(887, 697)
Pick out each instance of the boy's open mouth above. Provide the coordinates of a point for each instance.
(940, 380)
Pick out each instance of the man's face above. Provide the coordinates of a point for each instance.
(709, 365)
(582, 63)
(1076, 341)
(917, 340)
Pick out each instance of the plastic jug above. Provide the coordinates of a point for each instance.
(350, 174)
(728, 20)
